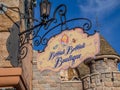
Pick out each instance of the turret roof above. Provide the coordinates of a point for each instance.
(105, 47)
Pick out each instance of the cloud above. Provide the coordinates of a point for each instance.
(98, 5)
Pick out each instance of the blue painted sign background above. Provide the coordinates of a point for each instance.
(104, 14)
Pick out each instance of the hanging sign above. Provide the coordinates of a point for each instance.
(68, 49)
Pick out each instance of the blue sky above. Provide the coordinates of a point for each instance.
(104, 14)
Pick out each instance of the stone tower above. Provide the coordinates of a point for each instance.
(104, 74)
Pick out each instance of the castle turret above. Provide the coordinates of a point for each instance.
(104, 74)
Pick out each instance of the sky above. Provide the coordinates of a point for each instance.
(104, 14)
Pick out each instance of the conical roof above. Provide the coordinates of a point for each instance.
(105, 48)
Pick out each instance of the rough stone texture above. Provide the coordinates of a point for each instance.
(100, 77)
(48, 80)
(103, 65)
(27, 68)
(27, 61)
(102, 80)
(45, 80)
(14, 3)
(105, 47)
(71, 85)
(83, 70)
(5, 22)
(3, 50)
(104, 75)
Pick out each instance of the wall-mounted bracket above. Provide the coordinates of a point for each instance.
(2, 8)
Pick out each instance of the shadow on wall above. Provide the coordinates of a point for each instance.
(12, 44)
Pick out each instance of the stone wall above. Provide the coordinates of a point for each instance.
(104, 65)
(71, 85)
(27, 61)
(102, 81)
(104, 75)
(48, 80)
(27, 69)
(5, 24)
(3, 50)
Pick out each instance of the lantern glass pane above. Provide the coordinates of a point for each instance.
(48, 9)
(43, 9)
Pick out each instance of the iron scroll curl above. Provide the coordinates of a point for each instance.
(49, 25)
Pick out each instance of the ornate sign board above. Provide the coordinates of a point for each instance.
(68, 49)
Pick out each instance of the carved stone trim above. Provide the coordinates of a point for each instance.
(114, 57)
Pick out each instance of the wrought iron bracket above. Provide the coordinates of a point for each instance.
(49, 25)
(58, 21)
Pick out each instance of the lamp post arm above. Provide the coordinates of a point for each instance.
(31, 29)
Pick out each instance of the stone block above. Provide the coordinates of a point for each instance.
(103, 77)
(107, 88)
(64, 88)
(92, 85)
(118, 74)
(108, 79)
(34, 82)
(34, 67)
(98, 83)
(51, 81)
(34, 62)
(108, 84)
(114, 74)
(36, 86)
(93, 80)
(118, 78)
(99, 88)
(42, 81)
(108, 75)
(4, 63)
(35, 76)
(53, 84)
(14, 15)
(79, 84)
(73, 88)
(66, 84)
(116, 88)
(45, 85)
(36, 89)
(3, 50)
(70, 88)
(52, 88)
(116, 83)
(90, 89)
(55, 78)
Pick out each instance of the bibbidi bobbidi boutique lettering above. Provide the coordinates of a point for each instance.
(68, 49)
(57, 56)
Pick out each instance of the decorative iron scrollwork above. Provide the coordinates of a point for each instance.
(49, 25)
